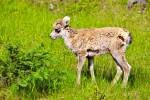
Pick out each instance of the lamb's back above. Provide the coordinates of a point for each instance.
(96, 38)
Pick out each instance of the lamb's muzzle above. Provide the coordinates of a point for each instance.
(52, 35)
(87, 43)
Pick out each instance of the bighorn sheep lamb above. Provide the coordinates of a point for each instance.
(87, 43)
(142, 3)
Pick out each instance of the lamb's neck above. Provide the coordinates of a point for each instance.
(68, 35)
(67, 40)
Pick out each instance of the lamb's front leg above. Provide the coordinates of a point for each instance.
(81, 60)
(122, 62)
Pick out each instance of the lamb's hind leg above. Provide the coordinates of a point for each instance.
(127, 70)
(120, 58)
(118, 74)
(91, 68)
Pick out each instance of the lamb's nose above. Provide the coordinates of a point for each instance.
(50, 36)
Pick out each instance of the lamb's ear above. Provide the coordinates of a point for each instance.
(66, 20)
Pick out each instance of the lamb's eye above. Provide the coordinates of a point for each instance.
(57, 30)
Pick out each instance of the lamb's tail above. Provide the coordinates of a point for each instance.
(126, 37)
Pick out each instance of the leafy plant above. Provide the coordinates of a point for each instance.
(30, 71)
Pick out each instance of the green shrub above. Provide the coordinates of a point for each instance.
(32, 71)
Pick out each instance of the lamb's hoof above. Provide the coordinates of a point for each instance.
(94, 82)
(113, 84)
(123, 86)
(78, 85)
(141, 12)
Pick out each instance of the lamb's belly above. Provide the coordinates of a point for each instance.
(96, 52)
(98, 49)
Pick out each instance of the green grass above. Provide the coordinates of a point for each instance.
(29, 25)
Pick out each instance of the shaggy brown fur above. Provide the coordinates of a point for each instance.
(104, 39)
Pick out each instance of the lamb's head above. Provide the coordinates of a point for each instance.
(59, 27)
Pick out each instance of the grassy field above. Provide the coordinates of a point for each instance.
(26, 25)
